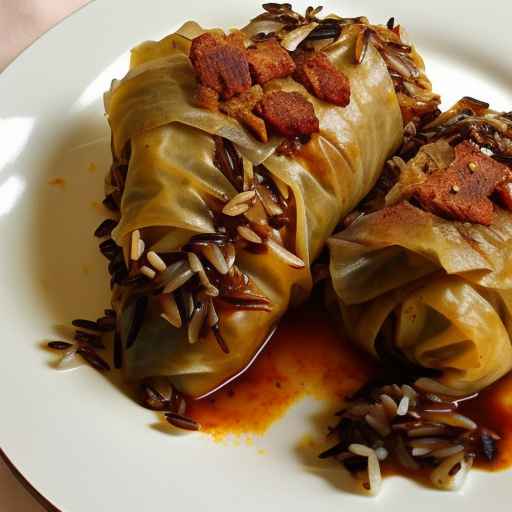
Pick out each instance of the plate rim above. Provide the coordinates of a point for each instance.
(9, 69)
(25, 483)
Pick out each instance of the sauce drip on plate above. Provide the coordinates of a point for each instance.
(304, 357)
(307, 357)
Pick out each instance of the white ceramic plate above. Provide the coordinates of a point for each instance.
(74, 436)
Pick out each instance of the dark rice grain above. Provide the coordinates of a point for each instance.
(92, 339)
(141, 305)
(182, 422)
(110, 204)
(106, 323)
(59, 345)
(109, 248)
(488, 445)
(105, 228)
(85, 324)
(93, 358)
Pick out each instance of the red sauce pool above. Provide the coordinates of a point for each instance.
(307, 357)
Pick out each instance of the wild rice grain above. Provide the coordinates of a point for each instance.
(155, 261)
(93, 359)
(241, 198)
(59, 345)
(234, 211)
(135, 253)
(249, 235)
(389, 405)
(420, 452)
(430, 385)
(188, 303)
(195, 262)
(268, 201)
(285, 255)
(452, 419)
(433, 443)
(142, 247)
(85, 324)
(110, 203)
(360, 449)
(447, 452)
(361, 46)
(176, 276)
(170, 310)
(147, 271)
(248, 174)
(213, 318)
(410, 392)
(105, 228)
(141, 305)
(92, 339)
(106, 323)
(230, 255)
(374, 474)
(109, 248)
(426, 431)
(152, 399)
(182, 421)
(196, 323)
(214, 255)
(403, 406)
(452, 471)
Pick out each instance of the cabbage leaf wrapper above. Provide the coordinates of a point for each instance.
(437, 290)
(202, 313)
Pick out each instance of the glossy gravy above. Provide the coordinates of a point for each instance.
(306, 357)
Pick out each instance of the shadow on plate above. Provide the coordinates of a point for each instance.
(70, 274)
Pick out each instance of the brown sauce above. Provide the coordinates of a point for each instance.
(306, 357)
(493, 409)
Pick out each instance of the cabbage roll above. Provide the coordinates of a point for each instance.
(424, 272)
(235, 155)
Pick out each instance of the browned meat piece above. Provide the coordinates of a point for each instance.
(241, 108)
(316, 73)
(461, 192)
(288, 113)
(220, 64)
(504, 195)
(207, 98)
(268, 60)
(236, 39)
